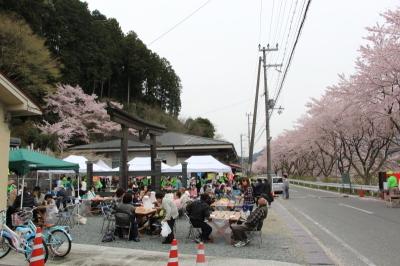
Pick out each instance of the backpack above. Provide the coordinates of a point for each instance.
(108, 236)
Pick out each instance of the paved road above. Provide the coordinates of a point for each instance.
(354, 231)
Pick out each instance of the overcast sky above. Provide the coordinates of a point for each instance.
(214, 52)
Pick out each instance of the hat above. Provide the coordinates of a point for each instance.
(389, 173)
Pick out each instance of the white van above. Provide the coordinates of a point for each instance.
(277, 184)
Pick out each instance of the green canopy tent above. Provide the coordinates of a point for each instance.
(21, 161)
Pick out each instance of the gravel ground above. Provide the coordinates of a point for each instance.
(278, 243)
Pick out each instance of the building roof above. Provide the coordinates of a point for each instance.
(167, 139)
(16, 102)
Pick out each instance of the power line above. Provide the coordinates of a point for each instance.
(272, 17)
(287, 32)
(287, 40)
(226, 106)
(180, 22)
(292, 53)
(259, 33)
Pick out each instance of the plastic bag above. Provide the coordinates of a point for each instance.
(108, 236)
(165, 229)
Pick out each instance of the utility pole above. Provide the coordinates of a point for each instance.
(241, 152)
(269, 104)
(248, 128)
(254, 118)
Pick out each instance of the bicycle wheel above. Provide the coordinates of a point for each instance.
(45, 250)
(59, 243)
(5, 246)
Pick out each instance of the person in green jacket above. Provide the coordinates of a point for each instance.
(392, 181)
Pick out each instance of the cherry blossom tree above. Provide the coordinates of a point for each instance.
(76, 117)
(355, 126)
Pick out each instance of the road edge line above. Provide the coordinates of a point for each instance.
(327, 251)
(339, 240)
(338, 193)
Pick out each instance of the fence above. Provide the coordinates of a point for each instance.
(338, 186)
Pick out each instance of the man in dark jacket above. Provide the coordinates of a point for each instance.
(266, 194)
(28, 201)
(199, 211)
(258, 188)
(254, 221)
(126, 207)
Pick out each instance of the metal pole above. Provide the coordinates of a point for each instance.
(248, 129)
(155, 180)
(268, 106)
(123, 167)
(241, 151)
(251, 148)
(267, 128)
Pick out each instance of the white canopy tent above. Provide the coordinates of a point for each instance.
(81, 160)
(143, 164)
(202, 164)
(102, 164)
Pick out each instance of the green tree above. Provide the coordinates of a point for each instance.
(97, 55)
(200, 127)
(25, 59)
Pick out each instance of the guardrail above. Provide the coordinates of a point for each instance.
(338, 186)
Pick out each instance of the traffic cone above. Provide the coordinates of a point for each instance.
(173, 254)
(201, 257)
(37, 258)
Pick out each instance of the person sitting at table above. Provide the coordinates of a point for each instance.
(144, 192)
(171, 213)
(38, 196)
(193, 191)
(255, 220)
(48, 211)
(199, 211)
(185, 198)
(62, 197)
(128, 208)
(136, 199)
(117, 198)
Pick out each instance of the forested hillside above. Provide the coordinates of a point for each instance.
(65, 57)
(94, 53)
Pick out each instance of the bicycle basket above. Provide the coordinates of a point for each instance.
(21, 218)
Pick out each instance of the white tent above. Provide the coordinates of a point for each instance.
(81, 160)
(143, 164)
(202, 164)
(102, 164)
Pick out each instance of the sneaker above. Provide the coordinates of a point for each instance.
(239, 244)
(246, 242)
(197, 240)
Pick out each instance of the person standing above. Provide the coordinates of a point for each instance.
(392, 183)
(248, 196)
(83, 187)
(267, 194)
(285, 186)
(171, 213)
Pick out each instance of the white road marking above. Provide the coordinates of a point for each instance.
(328, 252)
(355, 208)
(341, 241)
